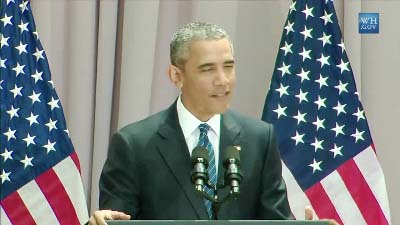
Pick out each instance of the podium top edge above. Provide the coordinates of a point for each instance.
(219, 222)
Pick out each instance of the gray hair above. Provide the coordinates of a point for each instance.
(193, 31)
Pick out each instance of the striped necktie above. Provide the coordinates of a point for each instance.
(212, 171)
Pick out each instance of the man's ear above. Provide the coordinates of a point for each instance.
(175, 75)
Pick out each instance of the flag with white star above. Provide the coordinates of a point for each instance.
(39, 169)
(329, 161)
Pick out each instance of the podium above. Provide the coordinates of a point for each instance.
(217, 222)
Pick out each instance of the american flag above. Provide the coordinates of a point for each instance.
(39, 170)
(323, 135)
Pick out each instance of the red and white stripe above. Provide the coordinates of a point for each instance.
(54, 197)
(354, 194)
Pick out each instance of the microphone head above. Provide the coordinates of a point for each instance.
(200, 153)
(230, 153)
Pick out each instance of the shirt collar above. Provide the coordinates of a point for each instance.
(189, 123)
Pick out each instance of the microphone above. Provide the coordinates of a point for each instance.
(233, 175)
(200, 161)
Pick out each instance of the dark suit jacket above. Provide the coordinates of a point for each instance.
(147, 172)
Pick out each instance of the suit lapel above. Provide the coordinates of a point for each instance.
(230, 136)
(173, 148)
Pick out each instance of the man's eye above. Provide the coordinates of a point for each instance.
(206, 69)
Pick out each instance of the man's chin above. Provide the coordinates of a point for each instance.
(222, 109)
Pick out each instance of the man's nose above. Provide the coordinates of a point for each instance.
(222, 77)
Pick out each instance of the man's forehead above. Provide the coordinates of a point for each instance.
(211, 47)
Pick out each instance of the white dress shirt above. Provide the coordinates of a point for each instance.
(190, 128)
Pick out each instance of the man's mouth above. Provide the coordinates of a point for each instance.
(221, 94)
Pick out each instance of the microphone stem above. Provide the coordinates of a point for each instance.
(215, 206)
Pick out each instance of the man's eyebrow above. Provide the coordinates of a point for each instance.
(205, 65)
(212, 64)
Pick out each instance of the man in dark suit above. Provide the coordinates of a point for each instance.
(147, 172)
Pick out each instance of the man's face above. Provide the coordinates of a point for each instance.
(208, 78)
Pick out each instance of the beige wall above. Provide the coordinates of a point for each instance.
(381, 85)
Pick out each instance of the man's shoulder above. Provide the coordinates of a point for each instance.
(149, 124)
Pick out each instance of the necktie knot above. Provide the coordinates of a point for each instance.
(204, 128)
(203, 137)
